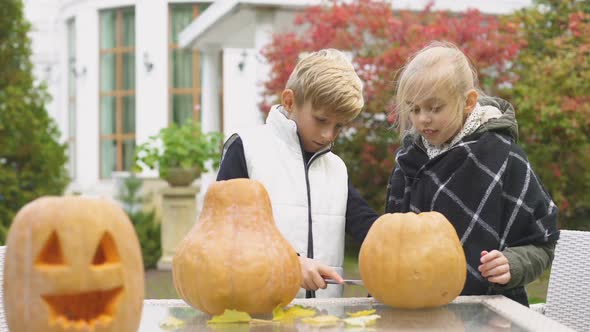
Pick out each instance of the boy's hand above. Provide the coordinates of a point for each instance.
(494, 267)
(314, 273)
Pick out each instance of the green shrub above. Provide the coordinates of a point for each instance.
(184, 146)
(552, 100)
(32, 161)
(146, 227)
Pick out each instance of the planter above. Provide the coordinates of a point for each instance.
(182, 177)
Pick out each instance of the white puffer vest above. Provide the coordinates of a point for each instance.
(274, 157)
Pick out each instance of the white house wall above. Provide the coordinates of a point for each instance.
(240, 94)
(151, 87)
(44, 36)
(87, 117)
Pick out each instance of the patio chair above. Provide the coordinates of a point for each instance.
(568, 294)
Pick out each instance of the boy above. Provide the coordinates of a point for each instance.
(313, 201)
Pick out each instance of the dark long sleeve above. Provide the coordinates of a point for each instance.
(527, 263)
(233, 161)
(359, 216)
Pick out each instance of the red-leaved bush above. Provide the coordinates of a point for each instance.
(380, 40)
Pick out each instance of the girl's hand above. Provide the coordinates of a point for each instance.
(494, 267)
(314, 272)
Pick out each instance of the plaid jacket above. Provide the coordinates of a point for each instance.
(484, 186)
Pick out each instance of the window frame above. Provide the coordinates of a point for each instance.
(118, 92)
(195, 90)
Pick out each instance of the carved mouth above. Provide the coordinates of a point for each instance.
(83, 310)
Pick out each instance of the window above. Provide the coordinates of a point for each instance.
(117, 90)
(184, 72)
(71, 31)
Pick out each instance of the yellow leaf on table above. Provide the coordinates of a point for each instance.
(256, 321)
(171, 323)
(361, 321)
(230, 316)
(323, 320)
(361, 313)
(296, 311)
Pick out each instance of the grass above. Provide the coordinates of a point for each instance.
(351, 271)
(537, 290)
(158, 284)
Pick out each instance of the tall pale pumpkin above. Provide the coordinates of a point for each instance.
(72, 263)
(413, 260)
(235, 257)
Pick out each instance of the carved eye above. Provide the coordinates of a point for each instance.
(106, 252)
(51, 254)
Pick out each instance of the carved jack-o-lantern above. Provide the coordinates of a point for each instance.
(72, 264)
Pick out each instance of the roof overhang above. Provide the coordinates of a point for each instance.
(232, 23)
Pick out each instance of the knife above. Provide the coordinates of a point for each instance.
(346, 282)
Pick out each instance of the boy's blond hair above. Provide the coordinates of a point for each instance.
(440, 66)
(327, 80)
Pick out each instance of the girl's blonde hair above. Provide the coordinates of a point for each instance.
(328, 81)
(440, 66)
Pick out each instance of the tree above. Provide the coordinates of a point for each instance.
(32, 161)
(380, 40)
(552, 98)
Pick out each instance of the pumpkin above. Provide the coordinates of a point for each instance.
(413, 260)
(72, 263)
(235, 257)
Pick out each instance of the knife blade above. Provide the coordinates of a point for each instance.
(346, 282)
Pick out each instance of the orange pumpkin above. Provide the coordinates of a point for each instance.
(72, 263)
(413, 260)
(235, 257)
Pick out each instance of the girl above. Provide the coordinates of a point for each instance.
(459, 157)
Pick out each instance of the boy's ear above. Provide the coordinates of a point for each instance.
(470, 101)
(288, 99)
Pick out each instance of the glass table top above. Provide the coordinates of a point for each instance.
(461, 315)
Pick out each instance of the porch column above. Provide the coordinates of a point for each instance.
(179, 214)
(210, 106)
(211, 88)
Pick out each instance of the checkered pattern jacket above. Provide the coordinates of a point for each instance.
(485, 187)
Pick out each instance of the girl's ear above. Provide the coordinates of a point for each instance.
(288, 99)
(470, 101)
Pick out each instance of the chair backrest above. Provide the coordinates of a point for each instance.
(568, 295)
(3, 326)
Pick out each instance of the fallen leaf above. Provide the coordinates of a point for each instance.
(296, 311)
(230, 316)
(361, 313)
(171, 323)
(256, 321)
(361, 321)
(323, 320)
